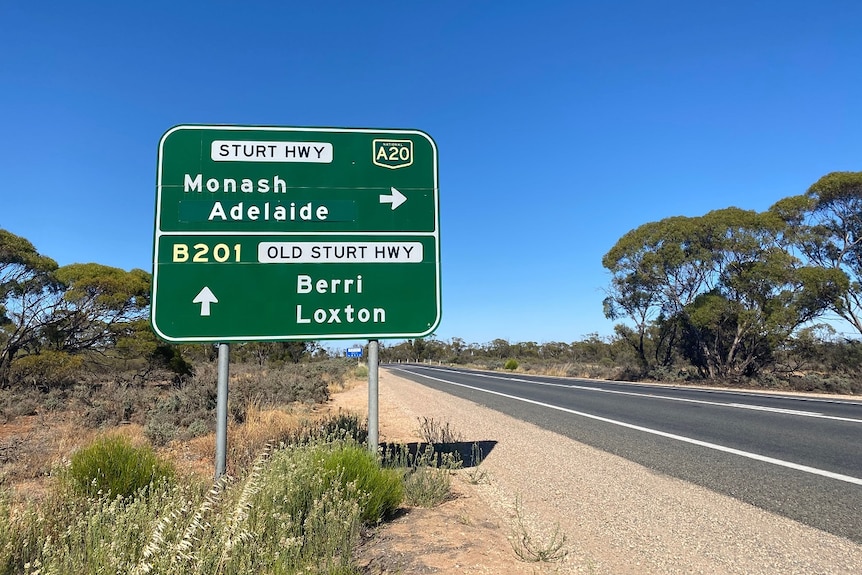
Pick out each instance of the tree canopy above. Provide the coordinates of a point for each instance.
(722, 287)
(65, 309)
(826, 229)
(27, 293)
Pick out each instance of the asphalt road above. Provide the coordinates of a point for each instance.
(797, 456)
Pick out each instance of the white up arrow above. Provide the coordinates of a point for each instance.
(205, 298)
(396, 198)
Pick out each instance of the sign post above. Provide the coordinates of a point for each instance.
(288, 233)
(221, 409)
(373, 396)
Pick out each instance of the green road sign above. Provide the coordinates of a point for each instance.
(274, 233)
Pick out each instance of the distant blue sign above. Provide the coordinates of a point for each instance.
(354, 352)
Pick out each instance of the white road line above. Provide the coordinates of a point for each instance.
(788, 411)
(716, 447)
(665, 398)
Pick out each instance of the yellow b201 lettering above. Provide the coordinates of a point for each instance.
(203, 253)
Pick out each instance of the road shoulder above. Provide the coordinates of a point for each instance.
(618, 517)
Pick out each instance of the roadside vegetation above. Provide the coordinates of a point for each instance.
(813, 360)
(298, 507)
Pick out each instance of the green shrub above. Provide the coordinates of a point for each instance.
(197, 428)
(381, 489)
(113, 467)
(511, 364)
(305, 512)
(159, 432)
(427, 486)
(344, 426)
(170, 357)
(45, 370)
(426, 473)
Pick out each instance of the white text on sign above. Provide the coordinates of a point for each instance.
(339, 252)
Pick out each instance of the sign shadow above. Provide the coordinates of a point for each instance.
(469, 453)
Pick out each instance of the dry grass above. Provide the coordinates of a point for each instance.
(536, 548)
(346, 384)
(32, 446)
(558, 370)
(245, 441)
(266, 426)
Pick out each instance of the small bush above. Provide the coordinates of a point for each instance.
(511, 365)
(113, 467)
(381, 488)
(159, 432)
(22, 406)
(344, 426)
(474, 474)
(532, 549)
(305, 514)
(197, 428)
(427, 486)
(170, 357)
(427, 473)
(47, 369)
(529, 550)
(435, 432)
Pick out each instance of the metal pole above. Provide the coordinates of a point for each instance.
(221, 409)
(373, 435)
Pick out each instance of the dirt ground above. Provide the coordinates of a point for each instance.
(463, 536)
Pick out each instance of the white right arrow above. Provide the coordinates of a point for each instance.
(395, 198)
(206, 297)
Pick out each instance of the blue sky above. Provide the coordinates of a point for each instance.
(560, 125)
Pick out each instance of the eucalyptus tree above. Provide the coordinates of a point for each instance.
(97, 302)
(657, 270)
(827, 229)
(557, 350)
(499, 348)
(721, 288)
(28, 290)
(66, 310)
